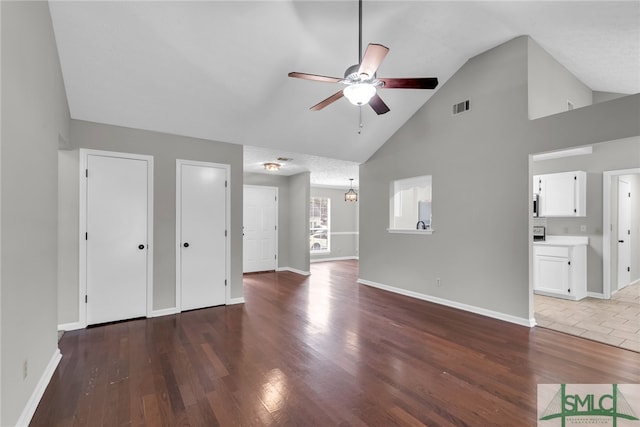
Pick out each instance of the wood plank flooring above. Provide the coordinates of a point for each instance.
(318, 351)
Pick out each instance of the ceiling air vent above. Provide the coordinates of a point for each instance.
(460, 107)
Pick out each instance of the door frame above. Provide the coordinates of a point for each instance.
(277, 203)
(607, 179)
(227, 168)
(82, 243)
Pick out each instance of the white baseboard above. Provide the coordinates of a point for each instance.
(233, 301)
(73, 326)
(163, 312)
(43, 382)
(340, 258)
(294, 270)
(598, 295)
(453, 304)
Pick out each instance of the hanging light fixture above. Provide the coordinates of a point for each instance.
(271, 167)
(351, 195)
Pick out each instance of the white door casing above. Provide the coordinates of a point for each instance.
(624, 237)
(201, 234)
(116, 223)
(260, 219)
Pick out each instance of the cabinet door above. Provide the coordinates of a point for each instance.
(551, 274)
(558, 195)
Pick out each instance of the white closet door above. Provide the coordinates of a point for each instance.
(116, 239)
(202, 205)
(624, 237)
(260, 233)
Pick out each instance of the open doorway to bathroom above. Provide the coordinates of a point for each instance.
(608, 309)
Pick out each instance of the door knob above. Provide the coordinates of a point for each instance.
(620, 241)
(186, 245)
(140, 247)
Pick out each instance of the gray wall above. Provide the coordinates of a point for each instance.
(299, 221)
(165, 149)
(343, 222)
(606, 96)
(551, 85)
(283, 183)
(34, 114)
(479, 160)
(606, 156)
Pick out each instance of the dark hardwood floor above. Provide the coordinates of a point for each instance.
(318, 351)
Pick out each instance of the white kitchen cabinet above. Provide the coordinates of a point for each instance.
(560, 268)
(561, 194)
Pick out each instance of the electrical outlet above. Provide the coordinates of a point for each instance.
(25, 368)
(438, 282)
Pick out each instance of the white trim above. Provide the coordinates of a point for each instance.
(233, 301)
(607, 224)
(598, 295)
(580, 151)
(72, 326)
(82, 278)
(407, 231)
(340, 258)
(344, 233)
(227, 168)
(34, 400)
(294, 270)
(453, 304)
(163, 312)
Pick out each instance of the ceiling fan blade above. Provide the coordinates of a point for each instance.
(378, 105)
(333, 98)
(315, 77)
(373, 57)
(410, 83)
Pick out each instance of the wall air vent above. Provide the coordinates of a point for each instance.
(460, 107)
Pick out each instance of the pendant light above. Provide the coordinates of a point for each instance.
(351, 195)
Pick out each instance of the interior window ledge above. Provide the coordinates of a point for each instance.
(409, 231)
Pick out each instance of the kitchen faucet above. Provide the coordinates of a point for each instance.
(424, 226)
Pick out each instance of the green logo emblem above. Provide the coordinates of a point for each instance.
(565, 405)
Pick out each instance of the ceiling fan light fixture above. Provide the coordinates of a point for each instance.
(359, 93)
(271, 167)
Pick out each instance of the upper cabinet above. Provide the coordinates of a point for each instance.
(561, 194)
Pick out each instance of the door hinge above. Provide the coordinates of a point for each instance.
(629, 269)
(275, 227)
(629, 232)
(86, 173)
(225, 282)
(569, 290)
(86, 236)
(225, 233)
(575, 177)
(86, 299)
(629, 194)
(225, 184)
(569, 262)
(575, 211)
(275, 256)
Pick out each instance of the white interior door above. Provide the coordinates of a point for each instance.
(624, 237)
(260, 221)
(202, 229)
(116, 238)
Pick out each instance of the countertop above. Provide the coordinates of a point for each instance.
(563, 241)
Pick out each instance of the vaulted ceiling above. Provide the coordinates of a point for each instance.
(218, 69)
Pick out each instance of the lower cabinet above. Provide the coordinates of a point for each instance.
(560, 271)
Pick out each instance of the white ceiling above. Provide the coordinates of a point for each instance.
(218, 70)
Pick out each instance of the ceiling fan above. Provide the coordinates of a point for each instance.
(361, 80)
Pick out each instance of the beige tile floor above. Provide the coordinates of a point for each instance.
(615, 321)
